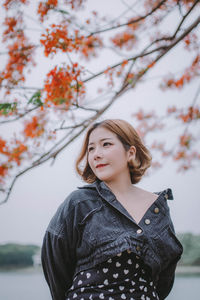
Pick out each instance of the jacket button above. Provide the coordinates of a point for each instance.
(139, 231)
(156, 210)
(137, 248)
(147, 221)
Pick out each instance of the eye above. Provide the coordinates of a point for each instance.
(90, 149)
(107, 144)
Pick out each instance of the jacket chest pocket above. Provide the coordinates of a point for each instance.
(167, 246)
(98, 226)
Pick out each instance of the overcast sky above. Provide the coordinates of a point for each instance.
(38, 193)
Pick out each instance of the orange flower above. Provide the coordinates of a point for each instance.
(20, 56)
(180, 155)
(190, 73)
(3, 171)
(58, 38)
(11, 24)
(171, 109)
(87, 45)
(3, 147)
(44, 7)
(75, 4)
(151, 65)
(9, 3)
(124, 39)
(16, 154)
(193, 113)
(63, 85)
(124, 63)
(34, 128)
(185, 140)
(133, 25)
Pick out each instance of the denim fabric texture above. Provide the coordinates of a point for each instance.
(91, 226)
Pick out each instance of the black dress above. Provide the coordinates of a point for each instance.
(121, 277)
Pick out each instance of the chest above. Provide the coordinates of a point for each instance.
(138, 207)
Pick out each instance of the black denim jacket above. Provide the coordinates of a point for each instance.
(91, 226)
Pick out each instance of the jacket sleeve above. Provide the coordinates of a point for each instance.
(167, 276)
(58, 253)
(166, 280)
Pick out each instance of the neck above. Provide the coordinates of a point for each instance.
(121, 186)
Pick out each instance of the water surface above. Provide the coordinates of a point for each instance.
(31, 285)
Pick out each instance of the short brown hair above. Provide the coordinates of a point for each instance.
(129, 137)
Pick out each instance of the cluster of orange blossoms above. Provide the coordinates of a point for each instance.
(10, 23)
(127, 38)
(187, 158)
(58, 38)
(13, 155)
(124, 39)
(8, 3)
(20, 51)
(20, 54)
(166, 4)
(63, 85)
(191, 42)
(44, 7)
(75, 3)
(142, 115)
(193, 113)
(34, 128)
(189, 74)
(185, 140)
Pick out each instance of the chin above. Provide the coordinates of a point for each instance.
(105, 179)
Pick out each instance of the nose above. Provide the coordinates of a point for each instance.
(97, 153)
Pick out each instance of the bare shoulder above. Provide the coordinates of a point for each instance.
(146, 195)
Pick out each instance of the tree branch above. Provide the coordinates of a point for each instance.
(131, 22)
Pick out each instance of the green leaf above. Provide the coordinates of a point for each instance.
(5, 108)
(36, 99)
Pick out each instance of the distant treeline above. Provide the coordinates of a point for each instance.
(191, 249)
(17, 255)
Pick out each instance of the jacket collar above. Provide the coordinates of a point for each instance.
(105, 192)
(102, 189)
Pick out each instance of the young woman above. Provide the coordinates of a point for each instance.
(111, 239)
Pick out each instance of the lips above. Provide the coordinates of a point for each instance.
(101, 165)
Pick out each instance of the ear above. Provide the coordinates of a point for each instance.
(131, 153)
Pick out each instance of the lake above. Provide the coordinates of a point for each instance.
(31, 285)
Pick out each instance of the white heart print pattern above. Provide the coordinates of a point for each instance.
(106, 282)
(111, 281)
(118, 264)
(101, 296)
(105, 270)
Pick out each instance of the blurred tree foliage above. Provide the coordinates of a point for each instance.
(191, 249)
(16, 255)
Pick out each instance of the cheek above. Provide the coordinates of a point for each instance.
(89, 159)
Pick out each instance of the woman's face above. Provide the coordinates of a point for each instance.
(106, 155)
